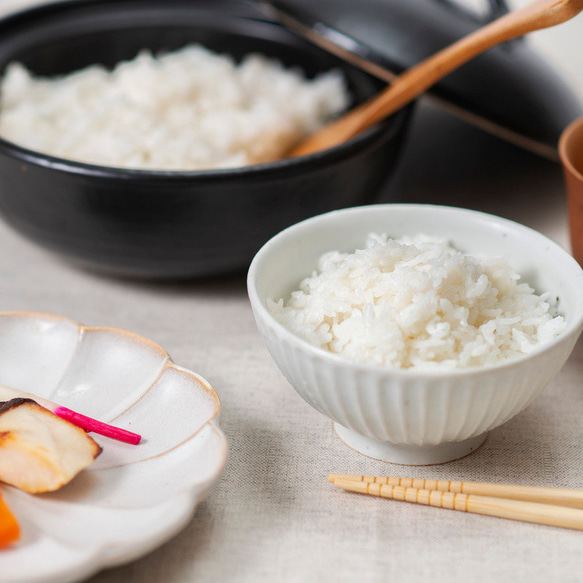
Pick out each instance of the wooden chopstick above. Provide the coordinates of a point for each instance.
(556, 496)
(533, 512)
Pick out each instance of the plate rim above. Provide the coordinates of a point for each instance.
(187, 499)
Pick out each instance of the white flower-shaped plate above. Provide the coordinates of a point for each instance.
(132, 498)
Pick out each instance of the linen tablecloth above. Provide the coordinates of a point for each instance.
(273, 517)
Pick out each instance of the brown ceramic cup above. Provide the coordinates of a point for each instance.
(571, 151)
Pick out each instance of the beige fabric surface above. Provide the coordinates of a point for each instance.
(273, 517)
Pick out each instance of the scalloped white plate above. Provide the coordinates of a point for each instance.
(132, 498)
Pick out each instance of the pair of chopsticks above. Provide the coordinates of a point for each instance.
(551, 506)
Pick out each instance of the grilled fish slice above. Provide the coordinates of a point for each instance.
(40, 452)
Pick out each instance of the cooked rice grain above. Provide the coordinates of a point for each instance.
(187, 110)
(418, 303)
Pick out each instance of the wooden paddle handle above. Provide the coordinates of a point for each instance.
(540, 14)
(488, 506)
(559, 496)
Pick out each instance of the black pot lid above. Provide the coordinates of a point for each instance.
(509, 90)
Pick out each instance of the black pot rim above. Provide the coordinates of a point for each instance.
(384, 131)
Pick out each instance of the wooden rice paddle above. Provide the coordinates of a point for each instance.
(540, 14)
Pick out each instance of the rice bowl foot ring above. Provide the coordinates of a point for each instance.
(409, 455)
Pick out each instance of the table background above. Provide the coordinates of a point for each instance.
(273, 517)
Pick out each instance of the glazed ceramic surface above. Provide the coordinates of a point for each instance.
(392, 36)
(132, 498)
(175, 224)
(405, 416)
(571, 151)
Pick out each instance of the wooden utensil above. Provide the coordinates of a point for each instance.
(533, 512)
(557, 496)
(540, 14)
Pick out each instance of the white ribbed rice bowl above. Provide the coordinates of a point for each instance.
(404, 416)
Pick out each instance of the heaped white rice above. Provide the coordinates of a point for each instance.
(418, 303)
(187, 110)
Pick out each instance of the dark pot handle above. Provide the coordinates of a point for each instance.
(497, 9)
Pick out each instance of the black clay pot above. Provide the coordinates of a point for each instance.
(174, 224)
